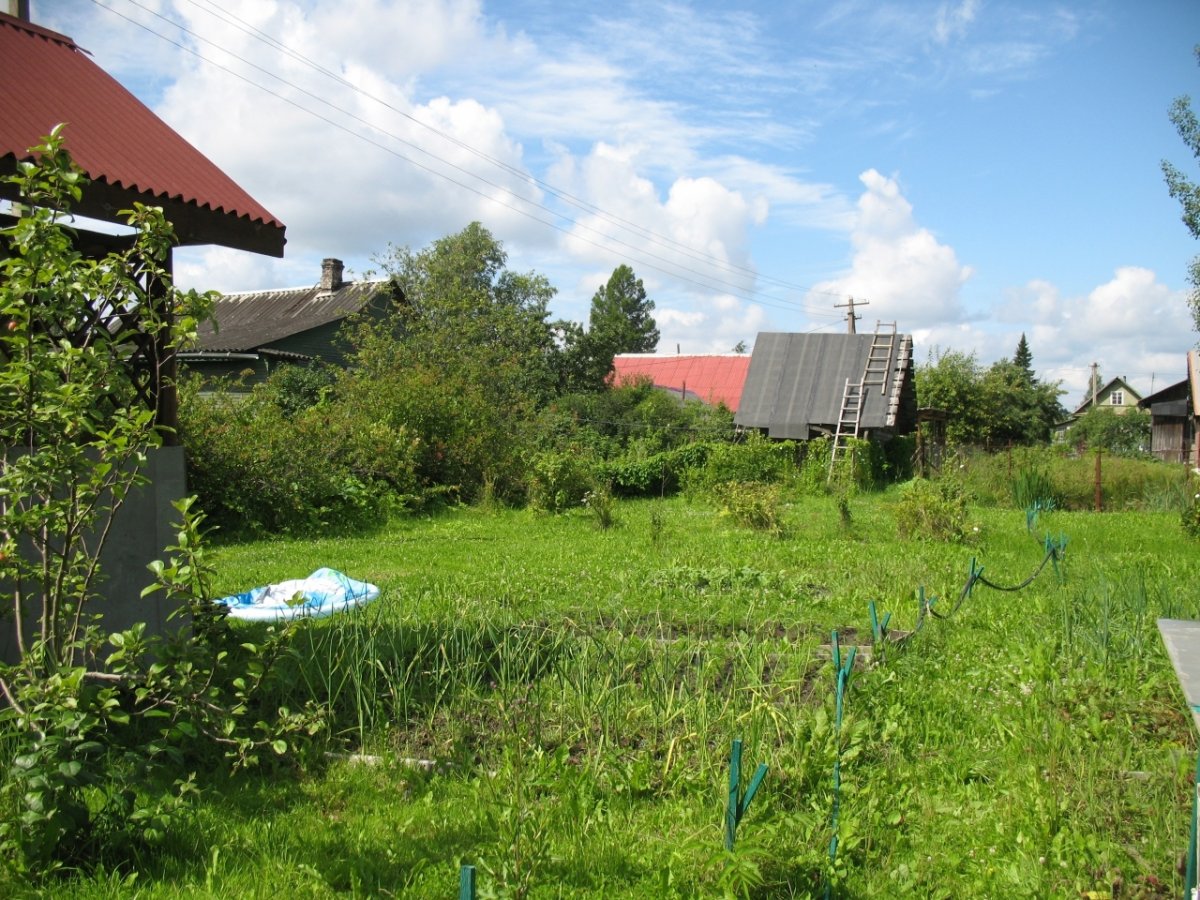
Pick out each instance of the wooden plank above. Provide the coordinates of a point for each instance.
(1182, 639)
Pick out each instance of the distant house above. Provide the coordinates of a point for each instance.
(712, 378)
(1117, 396)
(253, 333)
(802, 386)
(1175, 417)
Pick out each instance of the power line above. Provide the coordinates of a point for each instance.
(662, 240)
(709, 283)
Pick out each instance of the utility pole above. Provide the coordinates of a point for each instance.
(851, 318)
(1095, 385)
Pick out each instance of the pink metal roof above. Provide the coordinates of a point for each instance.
(713, 378)
(127, 151)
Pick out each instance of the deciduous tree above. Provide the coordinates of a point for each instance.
(467, 356)
(992, 406)
(1183, 189)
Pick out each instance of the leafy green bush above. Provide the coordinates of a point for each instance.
(854, 469)
(1190, 518)
(634, 418)
(258, 470)
(932, 510)
(294, 388)
(106, 762)
(658, 475)
(752, 504)
(757, 459)
(1126, 433)
(559, 481)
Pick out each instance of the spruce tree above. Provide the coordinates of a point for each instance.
(1024, 358)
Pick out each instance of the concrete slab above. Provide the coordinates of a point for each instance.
(1182, 639)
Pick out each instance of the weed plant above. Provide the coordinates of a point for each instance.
(574, 693)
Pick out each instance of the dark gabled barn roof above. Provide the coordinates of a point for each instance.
(796, 384)
(125, 149)
(1172, 393)
(253, 320)
(712, 378)
(1186, 391)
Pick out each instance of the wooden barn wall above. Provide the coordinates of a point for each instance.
(1171, 439)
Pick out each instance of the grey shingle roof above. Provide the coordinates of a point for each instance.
(796, 383)
(252, 320)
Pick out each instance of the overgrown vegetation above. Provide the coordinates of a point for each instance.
(574, 708)
(1010, 478)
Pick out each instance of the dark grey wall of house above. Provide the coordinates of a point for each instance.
(142, 528)
(321, 342)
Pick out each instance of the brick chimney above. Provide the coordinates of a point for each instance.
(331, 275)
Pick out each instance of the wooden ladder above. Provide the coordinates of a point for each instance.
(879, 360)
(853, 398)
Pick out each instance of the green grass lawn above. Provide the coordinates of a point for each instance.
(577, 690)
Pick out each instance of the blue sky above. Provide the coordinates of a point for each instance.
(973, 169)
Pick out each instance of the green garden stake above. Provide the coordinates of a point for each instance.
(843, 672)
(738, 802)
(976, 571)
(1189, 881)
(466, 883)
(878, 626)
(843, 682)
(926, 602)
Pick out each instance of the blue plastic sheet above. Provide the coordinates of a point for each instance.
(323, 593)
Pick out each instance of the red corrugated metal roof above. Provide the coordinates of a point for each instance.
(127, 151)
(712, 378)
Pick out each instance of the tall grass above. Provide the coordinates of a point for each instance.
(997, 479)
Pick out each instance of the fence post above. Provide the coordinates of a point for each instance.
(738, 802)
(466, 883)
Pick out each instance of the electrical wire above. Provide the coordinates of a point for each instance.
(663, 240)
(710, 282)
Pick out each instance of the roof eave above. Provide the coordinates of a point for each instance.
(193, 224)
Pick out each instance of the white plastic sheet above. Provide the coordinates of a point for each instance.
(323, 593)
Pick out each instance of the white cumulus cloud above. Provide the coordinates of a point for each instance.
(903, 271)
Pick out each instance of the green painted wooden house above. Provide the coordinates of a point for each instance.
(253, 333)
